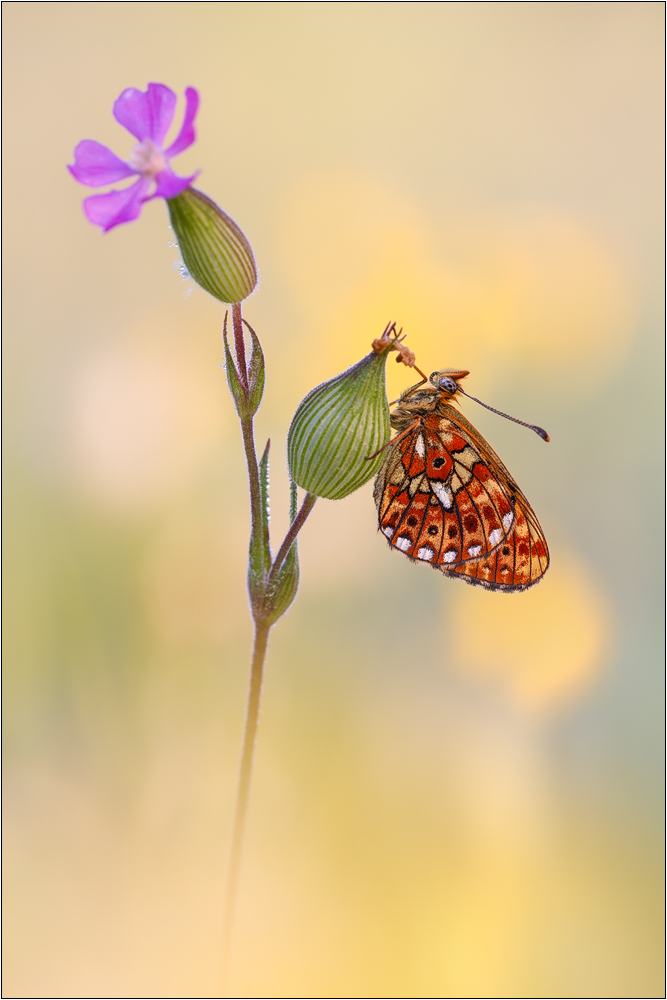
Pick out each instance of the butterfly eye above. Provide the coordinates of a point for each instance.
(449, 384)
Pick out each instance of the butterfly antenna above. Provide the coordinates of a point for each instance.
(538, 430)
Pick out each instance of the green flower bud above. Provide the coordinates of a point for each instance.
(337, 426)
(214, 250)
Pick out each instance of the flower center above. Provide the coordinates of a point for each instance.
(147, 159)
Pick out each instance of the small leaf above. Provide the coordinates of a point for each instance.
(246, 400)
(255, 374)
(286, 583)
(236, 387)
(337, 426)
(259, 559)
(215, 251)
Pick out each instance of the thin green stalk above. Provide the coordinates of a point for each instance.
(243, 792)
(239, 343)
(247, 430)
(262, 629)
(294, 529)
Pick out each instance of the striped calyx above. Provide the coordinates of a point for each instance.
(214, 250)
(336, 427)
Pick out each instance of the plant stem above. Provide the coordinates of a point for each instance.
(247, 431)
(262, 629)
(294, 529)
(245, 771)
(239, 343)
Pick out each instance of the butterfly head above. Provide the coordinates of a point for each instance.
(447, 380)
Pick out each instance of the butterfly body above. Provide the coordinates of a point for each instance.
(445, 498)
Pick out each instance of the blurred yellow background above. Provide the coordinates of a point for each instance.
(456, 792)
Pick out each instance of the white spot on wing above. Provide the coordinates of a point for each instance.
(474, 550)
(495, 536)
(507, 520)
(443, 494)
(388, 531)
(403, 543)
(449, 556)
(426, 554)
(419, 446)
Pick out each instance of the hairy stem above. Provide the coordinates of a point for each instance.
(262, 629)
(239, 343)
(247, 429)
(243, 792)
(248, 433)
(294, 529)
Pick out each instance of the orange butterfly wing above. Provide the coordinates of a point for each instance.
(445, 498)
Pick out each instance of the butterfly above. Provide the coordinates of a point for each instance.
(444, 497)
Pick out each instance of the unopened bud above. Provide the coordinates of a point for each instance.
(337, 426)
(214, 249)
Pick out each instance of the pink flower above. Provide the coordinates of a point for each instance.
(148, 117)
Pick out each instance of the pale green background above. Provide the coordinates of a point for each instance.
(456, 793)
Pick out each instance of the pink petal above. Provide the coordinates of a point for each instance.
(146, 115)
(95, 165)
(186, 136)
(169, 185)
(110, 209)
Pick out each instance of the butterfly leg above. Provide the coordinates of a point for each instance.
(394, 440)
